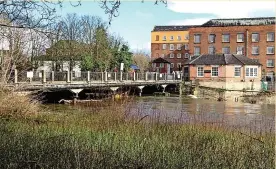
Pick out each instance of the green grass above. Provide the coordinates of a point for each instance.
(80, 138)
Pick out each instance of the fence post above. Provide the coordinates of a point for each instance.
(68, 76)
(105, 76)
(15, 76)
(53, 76)
(146, 76)
(88, 76)
(115, 74)
(156, 76)
(127, 76)
(133, 76)
(165, 76)
(43, 76)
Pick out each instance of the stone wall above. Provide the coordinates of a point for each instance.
(247, 85)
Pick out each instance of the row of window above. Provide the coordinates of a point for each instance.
(240, 50)
(255, 37)
(172, 46)
(186, 37)
(161, 65)
(172, 55)
(249, 71)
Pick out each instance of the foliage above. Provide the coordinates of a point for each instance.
(141, 60)
(87, 63)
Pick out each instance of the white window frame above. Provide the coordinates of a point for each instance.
(273, 37)
(171, 46)
(213, 47)
(178, 55)
(164, 46)
(195, 50)
(240, 39)
(178, 46)
(242, 48)
(171, 55)
(171, 37)
(235, 71)
(178, 65)
(209, 38)
(186, 46)
(273, 62)
(251, 69)
(199, 35)
(186, 55)
(222, 38)
(253, 50)
(172, 65)
(270, 53)
(186, 37)
(258, 37)
(228, 49)
(214, 66)
(179, 38)
(164, 38)
(197, 72)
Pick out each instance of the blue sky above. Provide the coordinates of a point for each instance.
(136, 19)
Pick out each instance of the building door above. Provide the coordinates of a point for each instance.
(186, 73)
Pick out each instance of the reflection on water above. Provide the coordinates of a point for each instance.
(187, 110)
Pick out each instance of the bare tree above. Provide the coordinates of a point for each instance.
(141, 59)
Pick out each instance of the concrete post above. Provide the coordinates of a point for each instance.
(88, 76)
(105, 76)
(115, 76)
(133, 76)
(165, 76)
(146, 76)
(15, 76)
(53, 76)
(121, 76)
(127, 77)
(156, 76)
(43, 76)
(68, 77)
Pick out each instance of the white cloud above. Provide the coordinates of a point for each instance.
(222, 9)
(197, 21)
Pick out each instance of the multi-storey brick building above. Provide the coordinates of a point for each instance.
(172, 44)
(252, 37)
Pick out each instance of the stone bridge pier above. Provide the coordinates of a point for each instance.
(76, 92)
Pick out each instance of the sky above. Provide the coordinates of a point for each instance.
(136, 19)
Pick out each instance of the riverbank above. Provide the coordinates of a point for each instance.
(75, 137)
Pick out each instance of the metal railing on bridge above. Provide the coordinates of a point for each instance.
(91, 77)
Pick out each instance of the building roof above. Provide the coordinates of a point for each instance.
(173, 28)
(160, 60)
(221, 59)
(240, 22)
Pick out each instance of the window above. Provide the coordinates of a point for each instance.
(171, 55)
(255, 37)
(200, 72)
(197, 38)
(270, 50)
(186, 47)
(171, 46)
(237, 72)
(161, 65)
(178, 37)
(255, 50)
(211, 38)
(211, 50)
(178, 65)
(270, 37)
(187, 37)
(225, 38)
(214, 71)
(240, 37)
(157, 38)
(240, 50)
(164, 46)
(162, 55)
(178, 46)
(186, 55)
(164, 38)
(226, 50)
(154, 65)
(196, 50)
(172, 65)
(251, 71)
(270, 63)
(171, 37)
(179, 55)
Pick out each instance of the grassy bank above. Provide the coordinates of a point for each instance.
(69, 137)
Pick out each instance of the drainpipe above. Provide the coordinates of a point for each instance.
(246, 43)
